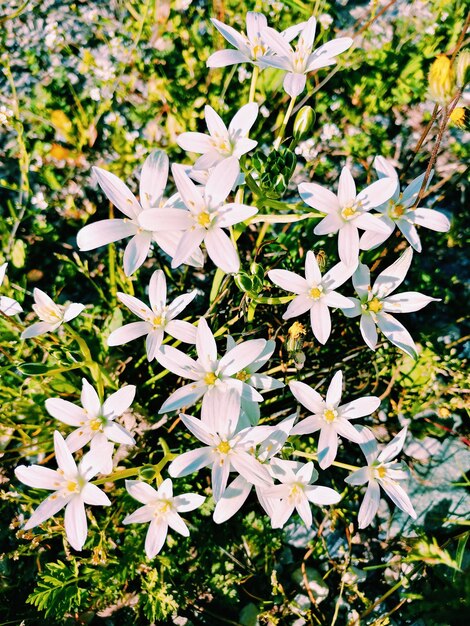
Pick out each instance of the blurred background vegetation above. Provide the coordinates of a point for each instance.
(104, 83)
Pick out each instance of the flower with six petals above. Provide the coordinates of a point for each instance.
(52, 315)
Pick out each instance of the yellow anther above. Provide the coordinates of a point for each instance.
(381, 471)
(72, 486)
(349, 211)
(224, 447)
(243, 375)
(210, 378)
(162, 507)
(204, 219)
(397, 210)
(157, 320)
(316, 292)
(96, 424)
(375, 305)
(330, 415)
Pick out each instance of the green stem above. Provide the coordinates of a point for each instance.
(254, 78)
(285, 121)
(94, 367)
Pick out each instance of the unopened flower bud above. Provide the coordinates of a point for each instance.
(295, 337)
(243, 282)
(462, 68)
(147, 472)
(441, 80)
(303, 123)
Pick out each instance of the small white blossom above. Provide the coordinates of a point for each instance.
(159, 318)
(297, 492)
(299, 62)
(314, 293)
(222, 142)
(94, 421)
(381, 471)
(375, 304)
(52, 315)
(71, 488)
(329, 417)
(400, 211)
(347, 211)
(161, 508)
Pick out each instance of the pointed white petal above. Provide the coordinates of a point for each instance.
(232, 499)
(186, 395)
(136, 252)
(156, 536)
(307, 396)
(360, 407)
(407, 302)
(188, 246)
(332, 223)
(370, 239)
(140, 491)
(79, 438)
(251, 469)
(91, 494)
(176, 522)
(135, 305)
(307, 426)
(157, 290)
(153, 343)
(220, 411)
(64, 456)
(327, 446)
(435, 220)
(153, 178)
(411, 234)
(75, 523)
(376, 194)
(397, 334)
(393, 448)
(337, 275)
(289, 281)
(183, 331)
(368, 331)
(190, 462)
(337, 301)
(221, 181)
(346, 188)
(180, 303)
(190, 194)
(90, 399)
(388, 280)
(129, 332)
(72, 310)
(324, 55)
(322, 495)
(118, 434)
(119, 402)
(51, 505)
(198, 428)
(312, 271)
(141, 515)
(223, 58)
(205, 343)
(9, 307)
(188, 502)
(320, 320)
(361, 280)
(319, 197)
(335, 389)
(233, 213)
(303, 509)
(195, 142)
(222, 251)
(370, 505)
(359, 477)
(398, 495)
(348, 245)
(65, 411)
(117, 192)
(39, 328)
(294, 83)
(372, 222)
(241, 356)
(38, 477)
(243, 120)
(178, 362)
(165, 219)
(220, 473)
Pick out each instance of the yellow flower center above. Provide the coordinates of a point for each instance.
(243, 375)
(210, 378)
(224, 447)
(204, 219)
(162, 507)
(316, 292)
(96, 425)
(157, 320)
(375, 305)
(349, 211)
(72, 486)
(330, 415)
(381, 471)
(397, 210)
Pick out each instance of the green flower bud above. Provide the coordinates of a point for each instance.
(147, 472)
(243, 282)
(303, 123)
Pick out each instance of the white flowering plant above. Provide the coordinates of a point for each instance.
(197, 348)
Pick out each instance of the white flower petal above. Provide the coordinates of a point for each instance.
(372, 222)
(324, 55)
(390, 278)
(360, 407)
(233, 213)
(348, 244)
(51, 505)
(188, 246)
(241, 356)
(75, 523)
(283, 510)
(243, 120)
(221, 181)
(157, 290)
(411, 234)
(188, 502)
(223, 58)
(90, 399)
(155, 537)
(312, 271)
(319, 197)
(370, 239)
(153, 178)
(65, 411)
(370, 505)
(195, 142)
(140, 491)
(407, 302)
(136, 252)
(327, 446)
(309, 425)
(184, 396)
(190, 194)
(117, 192)
(183, 331)
(397, 334)
(39, 328)
(153, 343)
(346, 430)
(198, 428)
(346, 188)
(222, 251)
(178, 362)
(135, 305)
(376, 194)
(294, 83)
(332, 223)
(91, 494)
(164, 220)
(129, 332)
(335, 390)
(220, 473)
(64, 456)
(79, 438)
(322, 495)
(303, 508)
(176, 523)
(320, 320)
(119, 402)
(249, 467)
(398, 495)
(141, 515)
(289, 281)
(221, 410)
(368, 331)
(9, 307)
(180, 303)
(336, 300)
(38, 477)
(307, 396)
(232, 499)
(393, 448)
(359, 477)
(72, 310)
(429, 218)
(118, 434)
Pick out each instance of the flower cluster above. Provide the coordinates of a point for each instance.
(195, 222)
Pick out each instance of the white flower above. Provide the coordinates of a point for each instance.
(296, 493)
(249, 47)
(239, 489)
(162, 510)
(347, 211)
(227, 448)
(299, 62)
(212, 376)
(375, 304)
(329, 417)
(206, 215)
(399, 211)
(8, 306)
(71, 488)
(381, 471)
(314, 293)
(222, 142)
(94, 421)
(52, 315)
(152, 186)
(158, 318)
